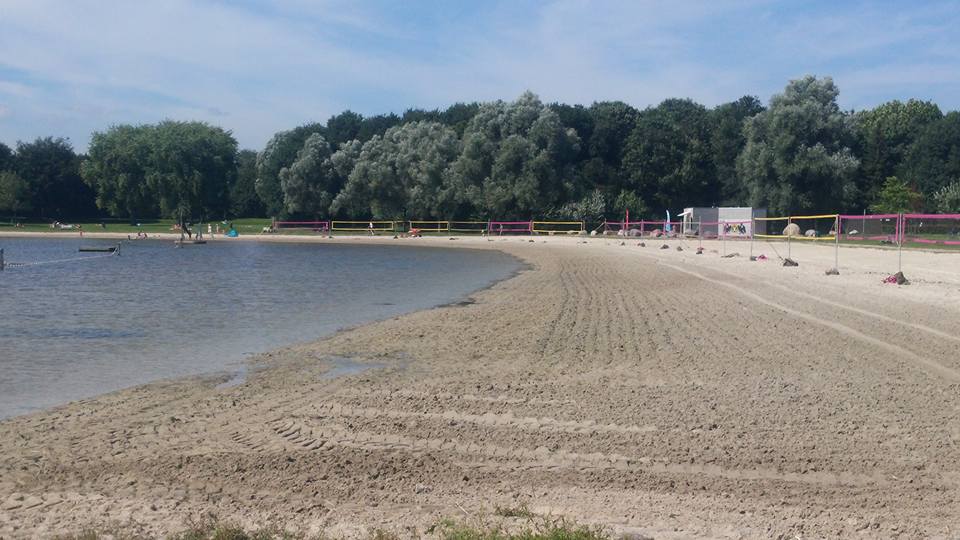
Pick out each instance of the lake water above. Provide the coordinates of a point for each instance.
(79, 328)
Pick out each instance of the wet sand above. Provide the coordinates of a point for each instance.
(650, 390)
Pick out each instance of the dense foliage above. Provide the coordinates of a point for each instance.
(516, 159)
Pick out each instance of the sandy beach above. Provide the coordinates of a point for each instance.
(657, 392)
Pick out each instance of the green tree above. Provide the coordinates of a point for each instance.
(375, 125)
(517, 160)
(171, 169)
(948, 198)
(244, 201)
(668, 157)
(933, 160)
(116, 168)
(15, 196)
(402, 174)
(458, 115)
(192, 165)
(885, 133)
(895, 197)
(280, 152)
(6, 158)
(310, 183)
(52, 170)
(796, 157)
(342, 127)
(727, 141)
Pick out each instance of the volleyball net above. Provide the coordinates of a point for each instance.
(718, 230)
(930, 229)
(368, 226)
(469, 226)
(429, 226)
(819, 227)
(312, 226)
(510, 227)
(884, 228)
(558, 227)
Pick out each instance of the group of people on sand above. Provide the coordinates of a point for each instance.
(58, 225)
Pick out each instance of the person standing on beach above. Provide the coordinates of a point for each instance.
(370, 228)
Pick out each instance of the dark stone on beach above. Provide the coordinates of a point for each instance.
(623, 243)
(901, 280)
(642, 244)
(730, 255)
(679, 248)
(699, 251)
(790, 262)
(664, 247)
(753, 259)
(833, 272)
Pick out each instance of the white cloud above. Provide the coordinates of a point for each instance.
(87, 64)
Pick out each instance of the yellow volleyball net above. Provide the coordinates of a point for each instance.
(364, 226)
(429, 226)
(478, 227)
(558, 227)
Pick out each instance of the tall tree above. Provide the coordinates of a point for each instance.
(933, 160)
(52, 169)
(375, 125)
(15, 196)
(458, 115)
(403, 174)
(885, 134)
(342, 127)
(281, 151)
(116, 168)
(947, 199)
(517, 159)
(895, 197)
(192, 166)
(171, 169)
(6, 158)
(796, 158)
(726, 143)
(311, 182)
(244, 201)
(668, 159)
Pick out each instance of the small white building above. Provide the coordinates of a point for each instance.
(732, 220)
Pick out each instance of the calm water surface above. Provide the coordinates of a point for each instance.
(75, 329)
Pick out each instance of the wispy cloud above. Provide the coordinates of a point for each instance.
(255, 66)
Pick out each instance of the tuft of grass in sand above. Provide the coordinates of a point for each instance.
(513, 511)
(536, 528)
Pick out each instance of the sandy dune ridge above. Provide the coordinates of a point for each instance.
(651, 390)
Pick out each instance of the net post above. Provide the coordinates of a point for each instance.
(723, 239)
(836, 237)
(789, 238)
(900, 221)
(753, 227)
(700, 233)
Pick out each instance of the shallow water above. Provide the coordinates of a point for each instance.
(79, 328)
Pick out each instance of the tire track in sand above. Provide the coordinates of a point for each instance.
(931, 365)
(853, 309)
(493, 457)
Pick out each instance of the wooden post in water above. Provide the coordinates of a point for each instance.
(1, 259)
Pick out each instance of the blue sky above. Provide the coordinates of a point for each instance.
(71, 67)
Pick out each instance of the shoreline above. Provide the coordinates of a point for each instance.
(634, 388)
(248, 364)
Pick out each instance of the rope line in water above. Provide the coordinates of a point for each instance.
(57, 261)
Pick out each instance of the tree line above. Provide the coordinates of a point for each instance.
(800, 153)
